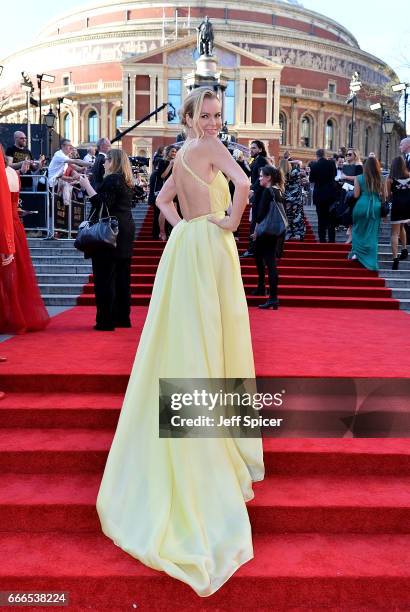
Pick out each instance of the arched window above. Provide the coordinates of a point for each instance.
(367, 140)
(330, 135)
(92, 122)
(175, 96)
(283, 127)
(306, 132)
(118, 119)
(67, 126)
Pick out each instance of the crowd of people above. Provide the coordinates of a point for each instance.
(346, 192)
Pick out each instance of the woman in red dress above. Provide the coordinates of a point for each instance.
(6, 233)
(21, 306)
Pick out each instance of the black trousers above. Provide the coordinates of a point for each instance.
(265, 255)
(326, 223)
(155, 222)
(112, 288)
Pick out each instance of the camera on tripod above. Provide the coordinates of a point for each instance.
(138, 162)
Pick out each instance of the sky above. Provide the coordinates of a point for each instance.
(380, 28)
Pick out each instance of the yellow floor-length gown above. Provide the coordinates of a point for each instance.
(178, 504)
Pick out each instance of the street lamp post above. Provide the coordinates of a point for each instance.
(27, 86)
(388, 125)
(403, 87)
(49, 120)
(355, 86)
(60, 101)
(47, 78)
(374, 107)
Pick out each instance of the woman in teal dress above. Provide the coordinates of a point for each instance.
(368, 187)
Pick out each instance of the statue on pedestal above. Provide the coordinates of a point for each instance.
(205, 38)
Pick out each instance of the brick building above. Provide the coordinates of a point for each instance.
(288, 71)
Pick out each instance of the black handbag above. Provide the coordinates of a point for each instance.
(350, 199)
(276, 222)
(385, 209)
(101, 234)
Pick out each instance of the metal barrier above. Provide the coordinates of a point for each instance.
(35, 200)
(46, 210)
(66, 216)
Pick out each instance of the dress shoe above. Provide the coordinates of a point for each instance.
(247, 254)
(123, 324)
(395, 265)
(259, 291)
(404, 254)
(271, 303)
(103, 328)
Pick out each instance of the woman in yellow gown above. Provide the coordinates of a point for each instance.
(178, 504)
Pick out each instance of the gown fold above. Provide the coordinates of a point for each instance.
(178, 504)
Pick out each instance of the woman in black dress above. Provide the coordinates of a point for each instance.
(353, 167)
(293, 199)
(267, 248)
(398, 192)
(112, 267)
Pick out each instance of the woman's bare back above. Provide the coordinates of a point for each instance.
(193, 174)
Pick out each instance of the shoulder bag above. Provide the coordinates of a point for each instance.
(94, 236)
(276, 222)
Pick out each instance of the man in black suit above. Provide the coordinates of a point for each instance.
(259, 156)
(405, 150)
(97, 171)
(322, 174)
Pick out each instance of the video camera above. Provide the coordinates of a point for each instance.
(138, 162)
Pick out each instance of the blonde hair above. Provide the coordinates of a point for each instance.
(192, 107)
(284, 165)
(356, 154)
(120, 164)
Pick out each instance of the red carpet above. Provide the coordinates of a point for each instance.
(330, 521)
(310, 274)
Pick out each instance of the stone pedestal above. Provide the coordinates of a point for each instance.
(206, 75)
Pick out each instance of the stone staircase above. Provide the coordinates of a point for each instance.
(61, 270)
(397, 280)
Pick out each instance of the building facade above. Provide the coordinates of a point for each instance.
(288, 71)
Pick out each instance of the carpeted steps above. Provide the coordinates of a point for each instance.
(302, 264)
(359, 572)
(283, 504)
(331, 520)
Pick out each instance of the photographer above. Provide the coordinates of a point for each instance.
(259, 161)
(161, 173)
(20, 153)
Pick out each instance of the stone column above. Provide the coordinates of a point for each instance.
(132, 98)
(294, 123)
(276, 104)
(76, 132)
(269, 101)
(125, 97)
(250, 105)
(320, 128)
(241, 98)
(152, 98)
(105, 129)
